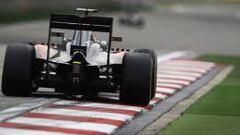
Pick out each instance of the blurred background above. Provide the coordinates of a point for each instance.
(203, 26)
(17, 10)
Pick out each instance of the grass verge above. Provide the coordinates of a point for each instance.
(200, 1)
(12, 17)
(218, 112)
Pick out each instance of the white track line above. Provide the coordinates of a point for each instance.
(177, 77)
(194, 62)
(188, 65)
(12, 131)
(91, 114)
(165, 90)
(173, 81)
(162, 96)
(13, 111)
(177, 86)
(173, 55)
(178, 68)
(100, 105)
(179, 73)
(105, 128)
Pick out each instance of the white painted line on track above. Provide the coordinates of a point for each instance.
(95, 109)
(179, 73)
(162, 96)
(186, 69)
(14, 131)
(105, 128)
(14, 111)
(173, 81)
(50, 129)
(173, 55)
(188, 65)
(73, 118)
(100, 105)
(177, 77)
(193, 62)
(165, 90)
(90, 114)
(177, 86)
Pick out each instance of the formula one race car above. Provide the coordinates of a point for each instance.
(80, 65)
(132, 19)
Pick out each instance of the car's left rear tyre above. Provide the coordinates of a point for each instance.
(136, 80)
(18, 70)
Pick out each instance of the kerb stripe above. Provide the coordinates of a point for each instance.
(166, 90)
(74, 118)
(96, 109)
(92, 114)
(179, 73)
(173, 81)
(50, 129)
(85, 126)
(101, 105)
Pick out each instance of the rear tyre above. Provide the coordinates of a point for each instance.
(17, 70)
(154, 69)
(136, 79)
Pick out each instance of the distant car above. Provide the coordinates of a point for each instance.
(81, 65)
(132, 19)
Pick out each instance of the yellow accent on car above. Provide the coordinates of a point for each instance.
(76, 62)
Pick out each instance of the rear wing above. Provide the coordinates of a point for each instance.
(86, 23)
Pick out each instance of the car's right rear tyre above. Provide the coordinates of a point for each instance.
(136, 79)
(154, 70)
(17, 70)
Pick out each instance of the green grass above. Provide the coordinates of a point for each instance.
(204, 125)
(218, 112)
(222, 100)
(200, 1)
(23, 16)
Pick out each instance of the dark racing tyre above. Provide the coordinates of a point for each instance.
(136, 79)
(154, 70)
(17, 70)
